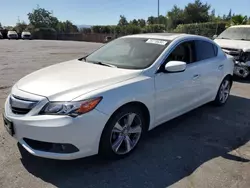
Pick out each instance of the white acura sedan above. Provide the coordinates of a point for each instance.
(105, 102)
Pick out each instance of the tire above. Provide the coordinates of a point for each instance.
(223, 92)
(114, 141)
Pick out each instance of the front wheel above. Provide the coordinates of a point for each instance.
(122, 133)
(223, 92)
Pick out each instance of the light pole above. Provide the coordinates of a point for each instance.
(158, 11)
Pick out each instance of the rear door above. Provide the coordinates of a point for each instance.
(210, 68)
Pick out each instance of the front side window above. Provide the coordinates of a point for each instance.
(129, 53)
(236, 33)
(183, 52)
(204, 50)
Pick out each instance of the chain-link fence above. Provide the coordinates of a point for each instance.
(100, 33)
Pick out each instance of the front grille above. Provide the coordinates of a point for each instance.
(13, 36)
(20, 105)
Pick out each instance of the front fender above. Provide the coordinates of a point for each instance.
(140, 89)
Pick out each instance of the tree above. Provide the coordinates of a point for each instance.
(123, 21)
(85, 30)
(141, 22)
(239, 19)
(152, 20)
(229, 16)
(134, 22)
(175, 17)
(66, 27)
(20, 26)
(41, 17)
(9, 28)
(212, 16)
(30, 28)
(224, 17)
(196, 12)
(162, 20)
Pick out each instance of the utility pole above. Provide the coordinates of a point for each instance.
(158, 11)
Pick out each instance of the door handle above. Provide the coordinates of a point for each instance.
(196, 76)
(220, 67)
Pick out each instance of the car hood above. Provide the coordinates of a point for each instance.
(68, 80)
(234, 44)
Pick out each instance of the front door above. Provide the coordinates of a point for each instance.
(176, 93)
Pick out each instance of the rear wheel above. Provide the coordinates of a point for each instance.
(122, 132)
(223, 92)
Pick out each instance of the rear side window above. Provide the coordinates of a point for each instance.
(205, 50)
(215, 50)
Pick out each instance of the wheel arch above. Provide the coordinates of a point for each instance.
(138, 104)
(230, 77)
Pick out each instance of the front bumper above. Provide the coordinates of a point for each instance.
(13, 37)
(83, 132)
(26, 37)
(242, 69)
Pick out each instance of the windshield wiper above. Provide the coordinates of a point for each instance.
(105, 64)
(82, 58)
(97, 62)
(224, 38)
(243, 39)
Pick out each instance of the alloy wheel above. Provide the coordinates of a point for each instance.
(224, 91)
(126, 133)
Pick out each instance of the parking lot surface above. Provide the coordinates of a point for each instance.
(207, 147)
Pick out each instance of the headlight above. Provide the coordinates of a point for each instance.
(70, 108)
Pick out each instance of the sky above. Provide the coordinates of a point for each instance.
(106, 12)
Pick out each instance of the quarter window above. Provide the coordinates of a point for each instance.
(205, 50)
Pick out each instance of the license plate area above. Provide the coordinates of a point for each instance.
(8, 126)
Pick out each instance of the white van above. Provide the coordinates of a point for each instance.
(12, 35)
(26, 35)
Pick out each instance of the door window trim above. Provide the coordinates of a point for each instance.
(163, 63)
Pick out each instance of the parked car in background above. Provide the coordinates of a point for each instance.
(106, 101)
(1, 36)
(26, 35)
(12, 35)
(235, 41)
(108, 39)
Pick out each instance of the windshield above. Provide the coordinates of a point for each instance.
(236, 33)
(129, 53)
(12, 33)
(26, 33)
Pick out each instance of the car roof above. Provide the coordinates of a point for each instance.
(11, 31)
(163, 36)
(235, 26)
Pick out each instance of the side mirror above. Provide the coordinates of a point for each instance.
(215, 36)
(175, 66)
